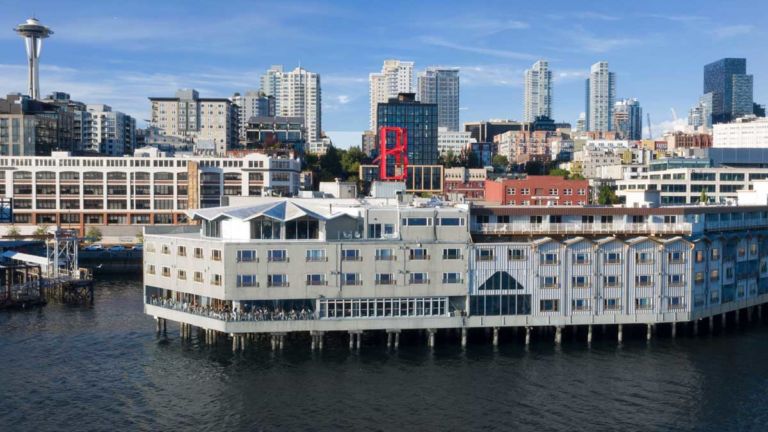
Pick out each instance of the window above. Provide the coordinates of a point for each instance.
(277, 280)
(611, 281)
(549, 305)
(485, 254)
(316, 255)
(212, 228)
(699, 277)
(246, 255)
(549, 258)
(265, 229)
(549, 282)
(525, 191)
(676, 257)
(384, 279)
(414, 221)
(451, 277)
(699, 256)
(216, 279)
(450, 221)
(181, 275)
(580, 305)
(753, 249)
(714, 275)
(580, 281)
(181, 251)
(516, 254)
(216, 254)
(581, 258)
(277, 255)
(165, 272)
(418, 254)
(351, 255)
(677, 279)
(644, 257)
(247, 280)
(612, 304)
(165, 249)
(199, 253)
(380, 230)
(350, 279)
(418, 278)
(644, 303)
(198, 276)
(644, 280)
(316, 279)
(301, 229)
(613, 258)
(676, 303)
(715, 254)
(151, 269)
(510, 191)
(384, 255)
(451, 254)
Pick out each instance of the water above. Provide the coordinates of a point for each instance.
(103, 368)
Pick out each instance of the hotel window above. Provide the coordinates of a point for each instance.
(216, 279)
(151, 269)
(451, 277)
(216, 254)
(549, 259)
(380, 230)
(199, 253)
(582, 192)
(567, 191)
(316, 279)
(265, 229)
(316, 255)
(418, 254)
(451, 254)
(350, 279)
(418, 278)
(351, 255)
(181, 251)
(525, 191)
(699, 277)
(414, 221)
(613, 258)
(677, 279)
(165, 250)
(510, 191)
(553, 191)
(580, 281)
(549, 305)
(742, 252)
(581, 258)
(485, 254)
(384, 255)
(612, 304)
(676, 257)
(644, 257)
(644, 280)
(181, 275)
(198, 277)
(516, 254)
(277, 255)
(715, 254)
(580, 305)
(536, 219)
(384, 279)
(611, 281)
(302, 229)
(753, 249)
(248, 255)
(165, 272)
(247, 280)
(699, 256)
(644, 303)
(714, 275)
(277, 280)
(450, 221)
(549, 282)
(714, 297)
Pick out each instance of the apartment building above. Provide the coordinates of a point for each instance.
(467, 182)
(537, 191)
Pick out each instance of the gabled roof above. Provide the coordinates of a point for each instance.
(282, 211)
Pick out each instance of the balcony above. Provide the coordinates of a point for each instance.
(736, 224)
(576, 228)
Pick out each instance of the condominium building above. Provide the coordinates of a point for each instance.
(110, 132)
(485, 131)
(252, 104)
(628, 119)
(420, 123)
(600, 98)
(521, 147)
(466, 182)
(537, 98)
(454, 142)
(300, 96)
(78, 191)
(537, 191)
(746, 132)
(440, 86)
(396, 77)
(209, 123)
(31, 127)
(372, 266)
(276, 134)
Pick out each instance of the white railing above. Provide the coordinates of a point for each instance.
(583, 228)
(736, 224)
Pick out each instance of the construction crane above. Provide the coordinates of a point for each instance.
(650, 132)
(674, 114)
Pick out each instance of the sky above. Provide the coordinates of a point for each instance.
(120, 53)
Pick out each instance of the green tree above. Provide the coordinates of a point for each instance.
(351, 161)
(330, 165)
(41, 230)
(12, 231)
(500, 161)
(607, 196)
(534, 167)
(449, 160)
(93, 234)
(559, 172)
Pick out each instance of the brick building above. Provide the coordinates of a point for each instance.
(469, 182)
(537, 190)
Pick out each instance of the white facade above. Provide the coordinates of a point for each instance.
(452, 141)
(440, 85)
(300, 96)
(538, 91)
(601, 97)
(747, 132)
(396, 76)
(109, 132)
(252, 104)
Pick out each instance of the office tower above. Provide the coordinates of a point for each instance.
(538, 91)
(396, 77)
(600, 97)
(209, 123)
(628, 119)
(33, 33)
(440, 86)
(731, 89)
(252, 104)
(297, 94)
(420, 121)
(700, 116)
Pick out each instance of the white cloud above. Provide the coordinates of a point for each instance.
(436, 41)
(490, 75)
(730, 31)
(342, 99)
(681, 124)
(567, 75)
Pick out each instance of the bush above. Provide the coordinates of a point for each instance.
(41, 230)
(12, 231)
(93, 234)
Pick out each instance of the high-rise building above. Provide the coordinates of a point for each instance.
(297, 94)
(420, 122)
(396, 77)
(440, 86)
(454, 142)
(700, 116)
(731, 89)
(111, 133)
(33, 33)
(538, 91)
(252, 104)
(600, 97)
(209, 123)
(628, 119)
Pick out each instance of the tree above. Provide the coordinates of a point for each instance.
(534, 167)
(351, 160)
(469, 159)
(500, 161)
(330, 165)
(93, 234)
(449, 160)
(41, 230)
(559, 172)
(607, 196)
(12, 231)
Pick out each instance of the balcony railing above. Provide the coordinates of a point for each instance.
(524, 228)
(736, 224)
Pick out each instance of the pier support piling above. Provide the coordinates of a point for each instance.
(674, 330)
(737, 312)
(620, 334)
(527, 336)
(495, 336)
(711, 324)
(696, 327)
(649, 332)
(558, 335)
(589, 334)
(724, 320)
(431, 338)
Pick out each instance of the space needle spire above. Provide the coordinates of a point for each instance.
(33, 33)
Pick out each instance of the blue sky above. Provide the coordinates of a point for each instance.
(119, 52)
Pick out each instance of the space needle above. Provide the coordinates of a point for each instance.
(33, 33)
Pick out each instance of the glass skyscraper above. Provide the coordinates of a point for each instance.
(731, 89)
(419, 120)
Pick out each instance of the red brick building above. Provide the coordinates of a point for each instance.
(469, 182)
(537, 190)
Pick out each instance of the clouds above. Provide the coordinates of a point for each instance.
(726, 32)
(475, 49)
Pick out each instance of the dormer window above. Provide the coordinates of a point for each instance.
(212, 228)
